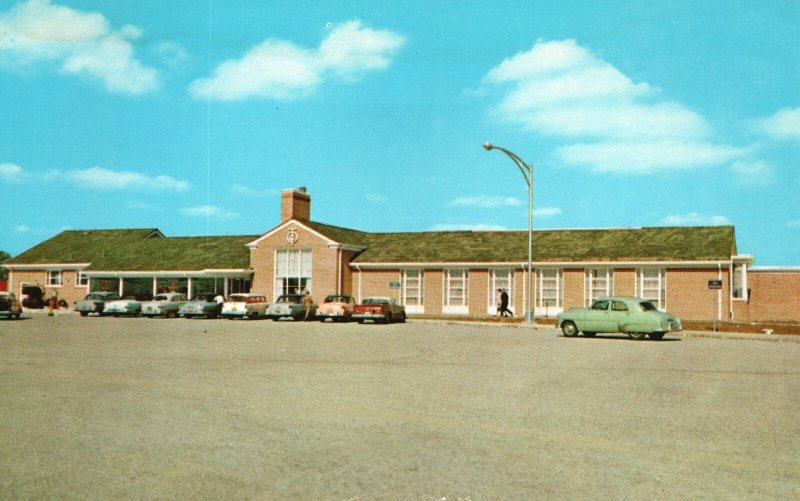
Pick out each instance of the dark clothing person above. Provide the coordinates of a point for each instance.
(503, 308)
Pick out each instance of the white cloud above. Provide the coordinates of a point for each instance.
(277, 69)
(644, 157)
(544, 212)
(376, 198)
(11, 173)
(785, 124)
(485, 201)
(210, 211)
(22, 229)
(98, 178)
(695, 219)
(755, 173)
(467, 227)
(794, 224)
(610, 122)
(81, 43)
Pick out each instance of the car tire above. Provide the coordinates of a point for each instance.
(569, 329)
(253, 315)
(636, 336)
(84, 313)
(658, 336)
(402, 318)
(589, 334)
(171, 314)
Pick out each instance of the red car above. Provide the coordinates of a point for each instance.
(379, 309)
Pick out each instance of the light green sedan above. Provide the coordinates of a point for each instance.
(634, 316)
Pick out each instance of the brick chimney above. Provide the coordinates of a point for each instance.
(295, 204)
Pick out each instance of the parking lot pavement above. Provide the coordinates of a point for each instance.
(153, 408)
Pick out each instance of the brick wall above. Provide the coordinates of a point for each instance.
(433, 292)
(625, 282)
(68, 291)
(573, 288)
(774, 296)
(375, 283)
(689, 297)
(324, 262)
(478, 292)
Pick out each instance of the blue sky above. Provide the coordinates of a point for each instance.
(191, 116)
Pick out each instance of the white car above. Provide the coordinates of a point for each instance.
(165, 304)
(245, 305)
(122, 307)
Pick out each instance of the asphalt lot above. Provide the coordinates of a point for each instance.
(106, 408)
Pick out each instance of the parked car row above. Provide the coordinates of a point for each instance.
(336, 307)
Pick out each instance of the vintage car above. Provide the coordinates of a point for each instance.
(127, 306)
(379, 310)
(201, 305)
(94, 302)
(165, 304)
(633, 316)
(289, 306)
(245, 305)
(9, 306)
(339, 308)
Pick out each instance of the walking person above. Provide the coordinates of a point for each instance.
(503, 310)
(308, 304)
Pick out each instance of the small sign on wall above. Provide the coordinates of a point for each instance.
(715, 284)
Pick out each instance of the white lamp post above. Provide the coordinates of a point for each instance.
(527, 173)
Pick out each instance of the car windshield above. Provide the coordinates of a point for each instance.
(289, 299)
(376, 300)
(600, 305)
(204, 297)
(647, 306)
(97, 296)
(236, 298)
(337, 299)
(160, 297)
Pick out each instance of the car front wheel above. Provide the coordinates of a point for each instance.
(569, 329)
(636, 336)
(658, 336)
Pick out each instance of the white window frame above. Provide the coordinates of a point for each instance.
(304, 268)
(597, 286)
(55, 278)
(81, 279)
(412, 288)
(544, 307)
(743, 286)
(451, 304)
(655, 293)
(495, 282)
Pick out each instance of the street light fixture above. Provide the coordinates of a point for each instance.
(527, 173)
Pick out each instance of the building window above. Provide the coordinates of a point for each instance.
(292, 271)
(739, 282)
(455, 291)
(500, 279)
(411, 290)
(549, 291)
(82, 279)
(651, 284)
(54, 278)
(599, 282)
(237, 285)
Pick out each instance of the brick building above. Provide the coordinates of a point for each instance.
(432, 273)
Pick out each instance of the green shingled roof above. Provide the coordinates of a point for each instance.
(630, 244)
(149, 250)
(132, 250)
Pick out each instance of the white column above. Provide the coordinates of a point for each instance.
(189, 288)
(121, 285)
